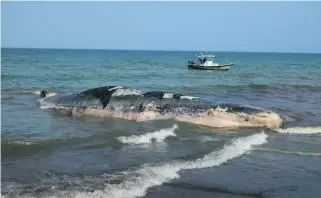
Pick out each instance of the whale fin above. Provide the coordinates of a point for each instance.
(102, 93)
(43, 93)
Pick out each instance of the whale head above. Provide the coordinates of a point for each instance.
(244, 116)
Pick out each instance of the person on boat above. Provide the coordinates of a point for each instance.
(204, 60)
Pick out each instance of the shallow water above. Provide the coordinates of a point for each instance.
(46, 153)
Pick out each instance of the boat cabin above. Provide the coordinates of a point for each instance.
(206, 60)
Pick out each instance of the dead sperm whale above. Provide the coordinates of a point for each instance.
(131, 104)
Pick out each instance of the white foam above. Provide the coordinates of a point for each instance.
(151, 176)
(45, 105)
(21, 142)
(167, 95)
(124, 92)
(238, 147)
(219, 109)
(188, 97)
(48, 106)
(51, 94)
(300, 130)
(158, 136)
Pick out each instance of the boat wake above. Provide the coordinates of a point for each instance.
(130, 104)
(149, 137)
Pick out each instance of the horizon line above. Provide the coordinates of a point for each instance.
(169, 50)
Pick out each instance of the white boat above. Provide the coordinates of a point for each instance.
(206, 62)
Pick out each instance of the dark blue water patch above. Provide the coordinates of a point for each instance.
(21, 148)
(13, 77)
(281, 88)
(216, 189)
(250, 75)
(260, 173)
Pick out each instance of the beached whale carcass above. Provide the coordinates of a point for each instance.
(131, 104)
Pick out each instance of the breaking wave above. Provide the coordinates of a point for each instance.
(300, 130)
(149, 137)
(137, 184)
(238, 147)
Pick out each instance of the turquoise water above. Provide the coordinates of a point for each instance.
(48, 153)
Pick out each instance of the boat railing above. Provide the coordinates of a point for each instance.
(205, 56)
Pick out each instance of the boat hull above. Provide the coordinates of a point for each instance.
(221, 67)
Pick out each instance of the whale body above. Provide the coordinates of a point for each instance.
(131, 104)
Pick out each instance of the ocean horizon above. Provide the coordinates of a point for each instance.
(159, 50)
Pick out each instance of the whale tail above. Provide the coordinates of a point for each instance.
(43, 93)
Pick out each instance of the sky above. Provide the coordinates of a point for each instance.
(211, 26)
